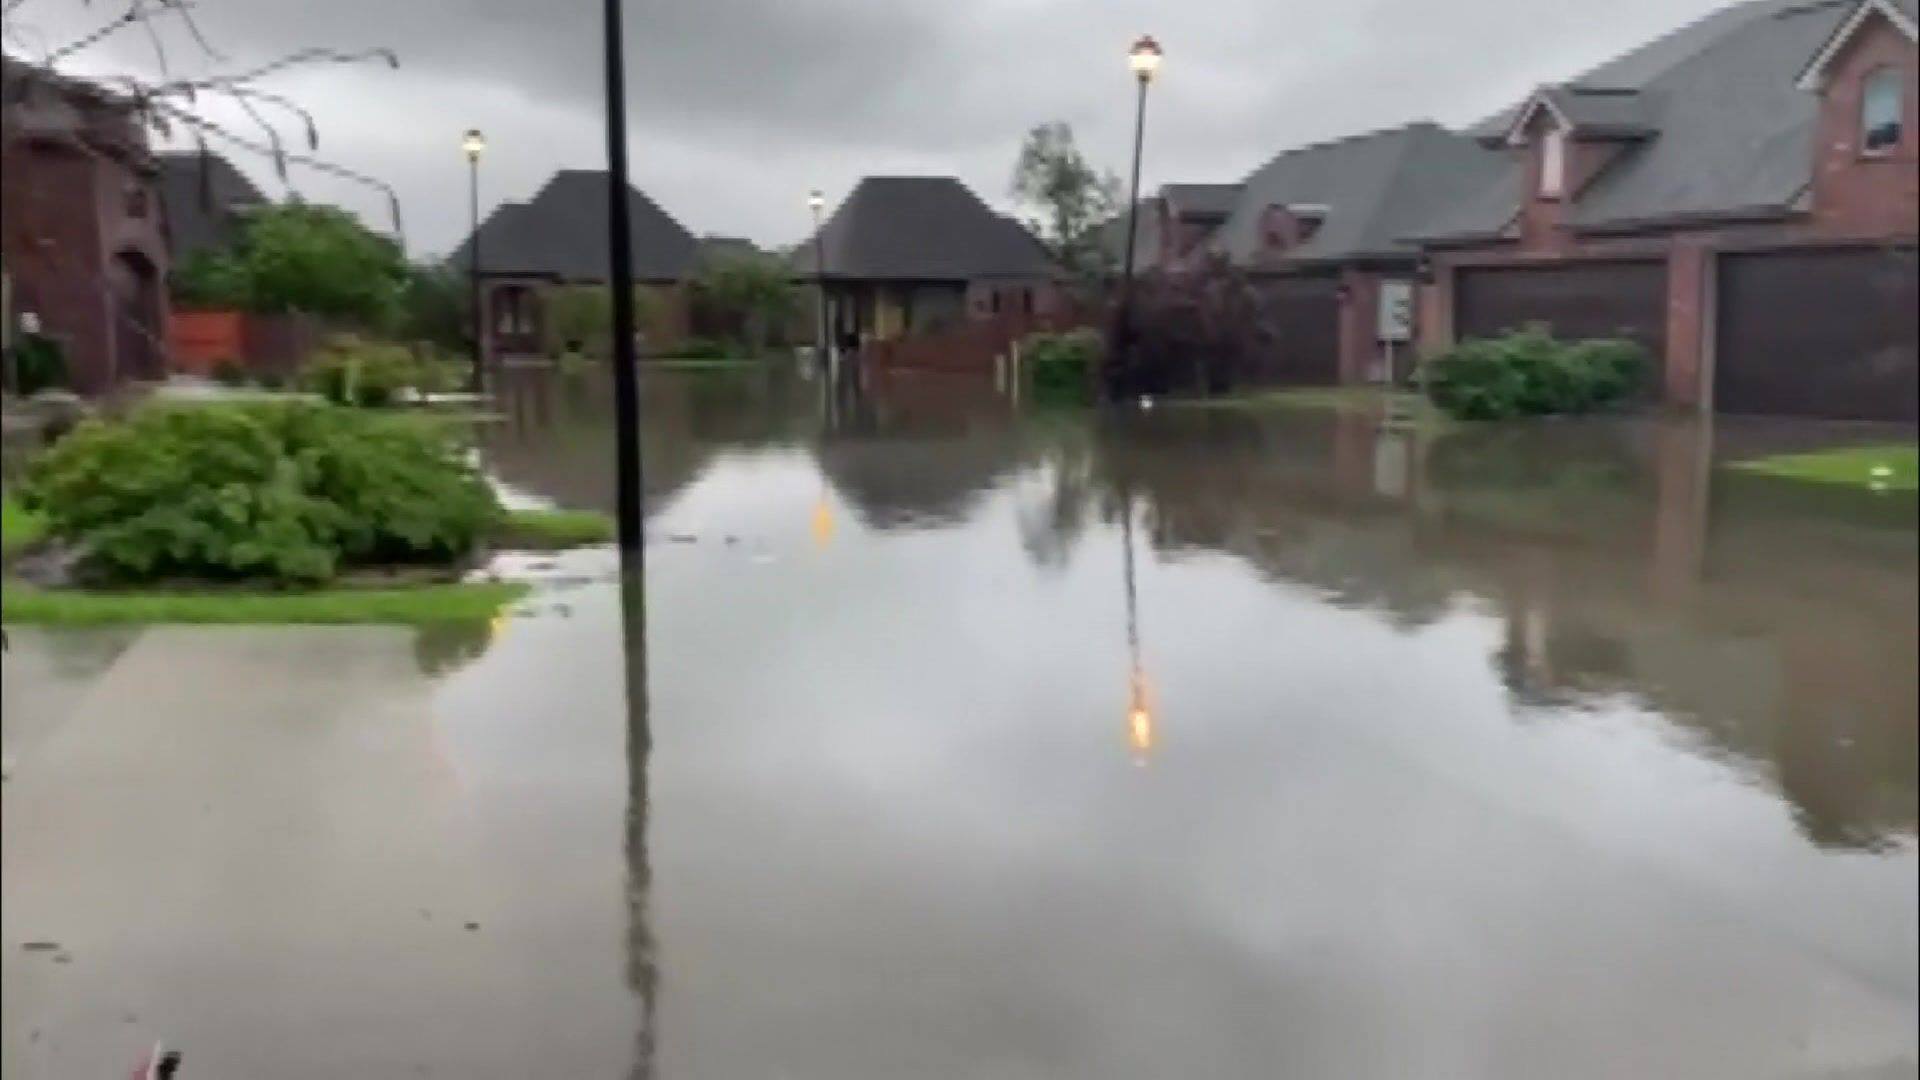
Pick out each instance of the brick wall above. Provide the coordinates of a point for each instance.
(1853, 192)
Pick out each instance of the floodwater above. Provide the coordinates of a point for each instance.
(969, 742)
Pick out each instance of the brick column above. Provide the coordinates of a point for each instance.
(1687, 322)
(1359, 316)
(1433, 323)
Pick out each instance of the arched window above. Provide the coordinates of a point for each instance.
(1881, 106)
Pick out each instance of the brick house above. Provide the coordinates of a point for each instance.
(84, 235)
(1739, 195)
(916, 255)
(206, 200)
(1323, 229)
(559, 239)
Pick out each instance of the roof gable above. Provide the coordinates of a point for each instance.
(200, 195)
(920, 228)
(1376, 188)
(562, 233)
(1902, 18)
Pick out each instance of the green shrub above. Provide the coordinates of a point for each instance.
(39, 363)
(1529, 373)
(1060, 366)
(228, 372)
(283, 491)
(349, 370)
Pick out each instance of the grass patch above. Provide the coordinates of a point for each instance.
(421, 605)
(700, 363)
(1375, 400)
(1879, 468)
(20, 528)
(552, 529)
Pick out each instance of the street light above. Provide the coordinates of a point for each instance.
(1144, 60)
(474, 144)
(818, 204)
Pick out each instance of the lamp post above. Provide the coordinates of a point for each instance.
(1144, 60)
(626, 378)
(818, 204)
(475, 144)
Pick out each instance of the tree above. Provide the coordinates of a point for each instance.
(211, 279)
(1203, 330)
(752, 293)
(437, 306)
(1074, 199)
(321, 260)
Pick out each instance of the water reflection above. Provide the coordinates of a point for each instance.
(1480, 734)
(1776, 623)
(642, 969)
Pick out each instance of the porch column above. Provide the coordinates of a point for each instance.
(1688, 323)
(1359, 319)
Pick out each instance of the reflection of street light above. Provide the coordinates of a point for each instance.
(1144, 60)
(474, 144)
(1139, 708)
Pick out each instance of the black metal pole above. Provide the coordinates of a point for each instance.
(473, 269)
(626, 376)
(1123, 344)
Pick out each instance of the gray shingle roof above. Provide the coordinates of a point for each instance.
(203, 197)
(921, 228)
(1376, 187)
(562, 233)
(1729, 133)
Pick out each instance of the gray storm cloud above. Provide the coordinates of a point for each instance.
(739, 107)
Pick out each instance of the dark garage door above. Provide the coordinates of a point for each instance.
(1818, 333)
(1306, 312)
(1581, 300)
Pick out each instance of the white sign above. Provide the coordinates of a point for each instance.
(29, 322)
(1396, 311)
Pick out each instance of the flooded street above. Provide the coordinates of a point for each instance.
(1532, 751)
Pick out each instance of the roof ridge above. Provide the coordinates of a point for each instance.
(1406, 128)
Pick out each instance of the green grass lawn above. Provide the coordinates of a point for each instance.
(1373, 399)
(20, 528)
(552, 529)
(413, 606)
(1894, 467)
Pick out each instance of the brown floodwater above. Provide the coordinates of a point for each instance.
(967, 741)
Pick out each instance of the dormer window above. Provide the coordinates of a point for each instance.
(1553, 163)
(1881, 106)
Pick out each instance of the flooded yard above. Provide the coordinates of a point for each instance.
(1202, 742)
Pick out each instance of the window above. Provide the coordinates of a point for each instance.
(1026, 301)
(1553, 164)
(1880, 109)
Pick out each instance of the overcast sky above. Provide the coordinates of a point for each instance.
(738, 107)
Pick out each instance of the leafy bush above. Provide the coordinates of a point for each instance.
(351, 371)
(229, 372)
(282, 491)
(1061, 366)
(1205, 329)
(39, 363)
(1529, 373)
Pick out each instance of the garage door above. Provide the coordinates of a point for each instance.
(1818, 333)
(1306, 312)
(1581, 300)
